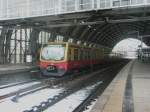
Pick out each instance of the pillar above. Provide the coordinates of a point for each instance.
(2, 39)
(7, 57)
(34, 36)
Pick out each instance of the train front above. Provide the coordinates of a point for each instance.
(53, 59)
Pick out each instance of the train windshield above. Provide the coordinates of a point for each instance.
(53, 52)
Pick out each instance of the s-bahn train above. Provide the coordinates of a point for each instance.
(60, 58)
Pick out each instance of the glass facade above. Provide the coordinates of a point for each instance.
(11, 9)
(18, 48)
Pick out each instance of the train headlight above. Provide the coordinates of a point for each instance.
(50, 68)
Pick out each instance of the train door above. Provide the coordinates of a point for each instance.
(70, 54)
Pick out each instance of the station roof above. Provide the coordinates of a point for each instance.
(105, 27)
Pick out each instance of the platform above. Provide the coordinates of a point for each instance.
(128, 92)
(10, 68)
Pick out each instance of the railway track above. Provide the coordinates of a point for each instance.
(93, 95)
(74, 88)
(71, 84)
(16, 84)
(44, 83)
(97, 91)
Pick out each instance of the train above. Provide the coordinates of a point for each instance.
(60, 58)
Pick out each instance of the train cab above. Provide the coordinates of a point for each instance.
(53, 59)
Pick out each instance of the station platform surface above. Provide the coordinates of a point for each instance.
(11, 68)
(128, 92)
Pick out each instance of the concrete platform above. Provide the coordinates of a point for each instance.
(6, 69)
(128, 92)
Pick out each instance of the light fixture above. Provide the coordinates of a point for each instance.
(82, 22)
(18, 25)
(89, 26)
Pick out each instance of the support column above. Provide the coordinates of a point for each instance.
(33, 44)
(52, 37)
(2, 39)
(74, 41)
(7, 46)
(65, 39)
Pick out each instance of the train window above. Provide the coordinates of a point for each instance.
(95, 55)
(72, 54)
(99, 54)
(76, 54)
(80, 54)
(53, 52)
(87, 57)
(89, 54)
(84, 55)
(69, 54)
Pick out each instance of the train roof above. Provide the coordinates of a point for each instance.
(81, 45)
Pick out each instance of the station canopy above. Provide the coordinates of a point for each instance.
(105, 27)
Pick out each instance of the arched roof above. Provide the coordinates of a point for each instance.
(106, 27)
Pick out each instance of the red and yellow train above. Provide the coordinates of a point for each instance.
(60, 58)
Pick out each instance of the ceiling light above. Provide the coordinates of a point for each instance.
(89, 26)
